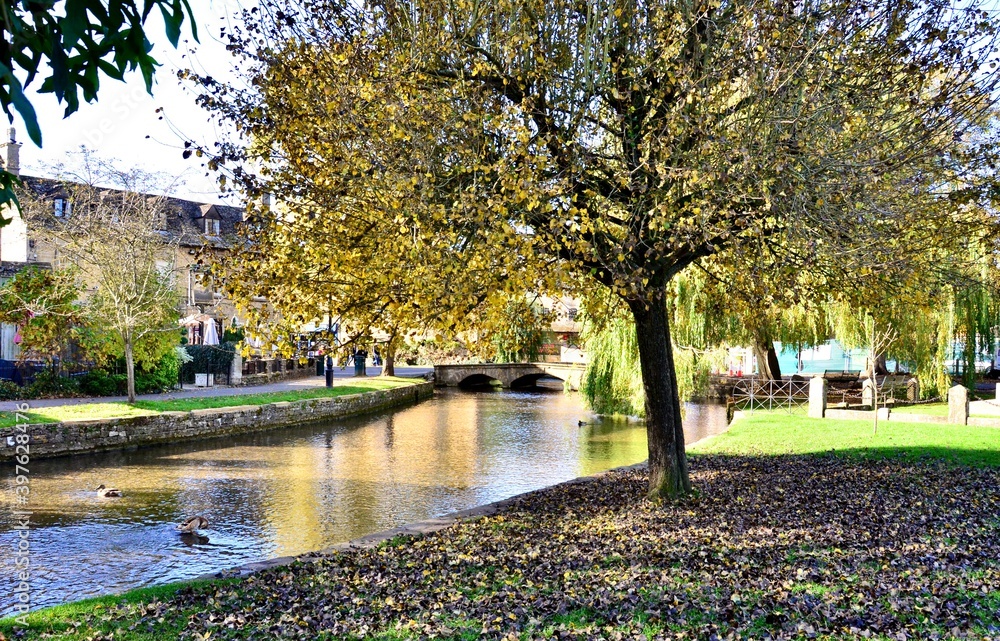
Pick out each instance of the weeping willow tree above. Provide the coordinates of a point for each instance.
(922, 346)
(520, 338)
(718, 305)
(946, 313)
(613, 381)
(975, 316)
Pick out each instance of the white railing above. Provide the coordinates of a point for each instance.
(761, 394)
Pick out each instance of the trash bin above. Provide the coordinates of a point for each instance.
(320, 365)
(359, 362)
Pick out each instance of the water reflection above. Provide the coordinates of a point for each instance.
(291, 491)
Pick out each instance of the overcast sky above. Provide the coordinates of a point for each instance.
(124, 123)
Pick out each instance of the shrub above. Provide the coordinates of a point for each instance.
(99, 383)
(11, 391)
(48, 384)
(163, 377)
(233, 335)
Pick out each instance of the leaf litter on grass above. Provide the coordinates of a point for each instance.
(770, 548)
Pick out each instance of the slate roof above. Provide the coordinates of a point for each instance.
(185, 218)
(9, 268)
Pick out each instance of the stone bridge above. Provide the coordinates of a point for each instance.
(508, 374)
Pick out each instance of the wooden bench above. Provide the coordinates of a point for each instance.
(847, 373)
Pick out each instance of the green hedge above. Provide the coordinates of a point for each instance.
(99, 382)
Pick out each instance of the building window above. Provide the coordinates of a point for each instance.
(166, 271)
(62, 207)
(212, 227)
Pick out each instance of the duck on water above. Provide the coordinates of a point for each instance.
(193, 524)
(107, 492)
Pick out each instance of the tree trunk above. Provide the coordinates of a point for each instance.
(881, 369)
(873, 382)
(388, 364)
(767, 361)
(389, 357)
(130, 370)
(668, 472)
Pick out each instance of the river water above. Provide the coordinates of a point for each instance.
(295, 490)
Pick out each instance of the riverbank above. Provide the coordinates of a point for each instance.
(896, 544)
(340, 375)
(68, 429)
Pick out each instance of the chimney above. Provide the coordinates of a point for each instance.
(12, 153)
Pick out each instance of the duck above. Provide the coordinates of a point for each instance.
(193, 524)
(107, 492)
(581, 423)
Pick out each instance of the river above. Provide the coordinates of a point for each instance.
(290, 491)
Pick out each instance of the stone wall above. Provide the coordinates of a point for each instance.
(241, 371)
(57, 439)
(274, 377)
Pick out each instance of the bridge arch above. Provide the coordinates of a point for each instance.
(531, 380)
(480, 380)
(508, 374)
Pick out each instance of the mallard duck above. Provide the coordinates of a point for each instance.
(193, 524)
(107, 492)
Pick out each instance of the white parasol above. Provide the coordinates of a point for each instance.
(211, 333)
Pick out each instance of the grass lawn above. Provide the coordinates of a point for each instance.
(142, 408)
(770, 433)
(63, 621)
(781, 540)
(931, 409)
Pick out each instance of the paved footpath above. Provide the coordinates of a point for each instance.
(990, 407)
(343, 376)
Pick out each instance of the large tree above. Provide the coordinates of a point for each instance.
(349, 218)
(303, 262)
(626, 139)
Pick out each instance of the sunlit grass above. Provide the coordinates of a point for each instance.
(934, 409)
(776, 433)
(63, 620)
(97, 411)
(930, 409)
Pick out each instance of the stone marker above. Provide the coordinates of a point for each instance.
(868, 392)
(913, 390)
(817, 397)
(236, 369)
(958, 405)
